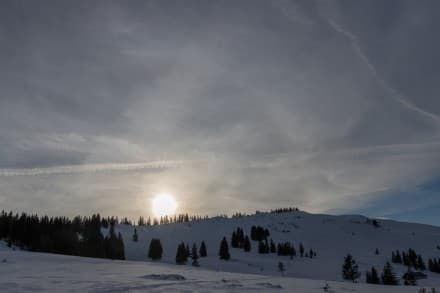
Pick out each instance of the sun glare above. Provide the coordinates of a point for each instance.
(164, 204)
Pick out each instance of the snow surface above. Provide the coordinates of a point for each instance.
(332, 237)
(22, 271)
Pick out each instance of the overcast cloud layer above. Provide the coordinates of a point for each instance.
(326, 105)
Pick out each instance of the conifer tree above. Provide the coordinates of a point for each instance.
(273, 248)
(263, 247)
(155, 250)
(420, 263)
(350, 269)
(240, 237)
(398, 257)
(405, 259)
(224, 250)
(141, 221)
(194, 256)
(293, 251)
(388, 277)
(187, 251)
(234, 240)
(203, 252)
(301, 249)
(373, 277)
(181, 257)
(247, 244)
(121, 248)
(431, 265)
(254, 233)
(135, 235)
(113, 245)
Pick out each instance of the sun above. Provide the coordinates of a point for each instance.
(164, 204)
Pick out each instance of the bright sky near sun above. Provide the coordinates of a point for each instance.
(164, 204)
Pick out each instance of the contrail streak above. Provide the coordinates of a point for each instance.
(396, 95)
(91, 168)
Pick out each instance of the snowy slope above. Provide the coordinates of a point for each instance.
(22, 271)
(332, 237)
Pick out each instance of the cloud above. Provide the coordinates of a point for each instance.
(254, 104)
(395, 94)
(90, 168)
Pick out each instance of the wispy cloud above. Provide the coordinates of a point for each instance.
(395, 94)
(91, 168)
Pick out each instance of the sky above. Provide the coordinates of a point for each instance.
(244, 105)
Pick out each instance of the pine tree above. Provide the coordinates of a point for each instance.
(247, 244)
(412, 258)
(194, 256)
(181, 257)
(254, 233)
(234, 240)
(398, 257)
(240, 237)
(187, 251)
(203, 252)
(405, 259)
(155, 250)
(388, 277)
(373, 277)
(431, 265)
(292, 251)
(301, 249)
(420, 263)
(141, 221)
(224, 250)
(121, 248)
(263, 247)
(135, 235)
(273, 248)
(113, 245)
(350, 269)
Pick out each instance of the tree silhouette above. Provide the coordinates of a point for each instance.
(155, 250)
(194, 256)
(350, 270)
(181, 257)
(372, 277)
(203, 252)
(224, 250)
(388, 277)
(135, 235)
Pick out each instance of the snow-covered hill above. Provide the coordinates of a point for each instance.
(22, 271)
(332, 237)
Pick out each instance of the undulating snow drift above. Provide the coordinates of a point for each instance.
(332, 237)
(22, 271)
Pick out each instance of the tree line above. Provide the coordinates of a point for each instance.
(80, 236)
(183, 253)
(409, 258)
(350, 271)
